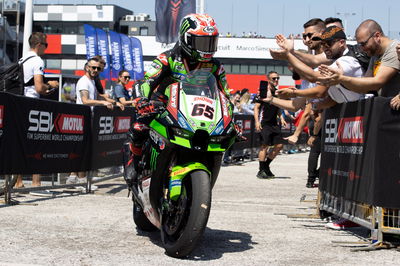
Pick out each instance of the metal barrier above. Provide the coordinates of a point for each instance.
(360, 213)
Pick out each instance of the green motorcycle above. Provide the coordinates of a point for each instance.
(181, 161)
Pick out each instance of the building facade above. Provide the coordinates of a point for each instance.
(246, 60)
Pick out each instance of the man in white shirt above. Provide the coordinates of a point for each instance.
(34, 85)
(333, 41)
(33, 67)
(86, 93)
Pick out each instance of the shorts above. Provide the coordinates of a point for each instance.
(271, 135)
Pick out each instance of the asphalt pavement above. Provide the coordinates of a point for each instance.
(252, 222)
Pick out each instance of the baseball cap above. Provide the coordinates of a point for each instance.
(331, 33)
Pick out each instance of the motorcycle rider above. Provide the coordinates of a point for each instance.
(198, 41)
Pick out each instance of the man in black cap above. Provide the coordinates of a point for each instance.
(333, 41)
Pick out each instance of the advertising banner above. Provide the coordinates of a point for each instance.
(360, 152)
(137, 53)
(103, 49)
(127, 54)
(168, 17)
(116, 54)
(91, 41)
(42, 136)
(109, 131)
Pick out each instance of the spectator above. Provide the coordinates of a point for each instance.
(122, 93)
(266, 120)
(87, 94)
(34, 84)
(244, 106)
(383, 72)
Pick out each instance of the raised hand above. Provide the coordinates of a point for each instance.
(330, 76)
(286, 44)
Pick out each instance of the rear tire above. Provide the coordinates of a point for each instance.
(141, 220)
(181, 234)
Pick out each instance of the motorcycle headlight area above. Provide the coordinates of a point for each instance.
(179, 132)
(218, 139)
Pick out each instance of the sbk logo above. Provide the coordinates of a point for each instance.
(108, 126)
(348, 130)
(1, 115)
(42, 121)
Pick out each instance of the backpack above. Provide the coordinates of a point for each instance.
(12, 78)
(362, 58)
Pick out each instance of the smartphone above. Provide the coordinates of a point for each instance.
(263, 89)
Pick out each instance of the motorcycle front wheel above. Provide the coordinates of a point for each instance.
(184, 224)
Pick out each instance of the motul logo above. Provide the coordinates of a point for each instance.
(42, 121)
(72, 124)
(122, 124)
(351, 130)
(1, 115)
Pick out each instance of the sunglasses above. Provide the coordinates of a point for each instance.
(95, 68)
(275, 78)
(126, 77)
(45, 44)
(329, 43)
(309, 35)
(362, 44)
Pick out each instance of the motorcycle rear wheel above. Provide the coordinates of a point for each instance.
(141, 220)
(182, 229)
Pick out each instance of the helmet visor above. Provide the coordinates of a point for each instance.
(206, 44)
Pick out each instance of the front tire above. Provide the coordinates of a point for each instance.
(141, 220)
(182, 229)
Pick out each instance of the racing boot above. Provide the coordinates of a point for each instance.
(131, 157)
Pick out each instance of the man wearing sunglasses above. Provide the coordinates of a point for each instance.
(383, 71)
(333, 41)
(34, 84)
(86, 92)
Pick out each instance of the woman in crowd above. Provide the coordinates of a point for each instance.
(122, 93)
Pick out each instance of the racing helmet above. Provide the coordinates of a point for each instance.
(198, 36)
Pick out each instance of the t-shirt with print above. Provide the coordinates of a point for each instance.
(352, 68)
(33, 66)
(85, 84)
(388, 59)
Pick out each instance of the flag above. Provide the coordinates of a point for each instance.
(169, 14)
(90, 40)
(127, 54)
(137, 54)
(116, 59)
(103, 51)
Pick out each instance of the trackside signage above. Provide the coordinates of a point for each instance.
(109, 131)
(360, 153)
(51, 137)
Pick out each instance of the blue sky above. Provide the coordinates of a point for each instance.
(271, 17)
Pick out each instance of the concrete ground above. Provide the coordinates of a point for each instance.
(248, 225)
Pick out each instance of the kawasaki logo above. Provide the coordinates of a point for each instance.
(42, 121)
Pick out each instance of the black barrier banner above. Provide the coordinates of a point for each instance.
(41, 136)
(360, 154)
(109, 131)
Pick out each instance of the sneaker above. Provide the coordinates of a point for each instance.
(82, 188)
(341, 224)
(262, 174)
(72, 179)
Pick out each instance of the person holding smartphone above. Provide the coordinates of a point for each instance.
(267, 124)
